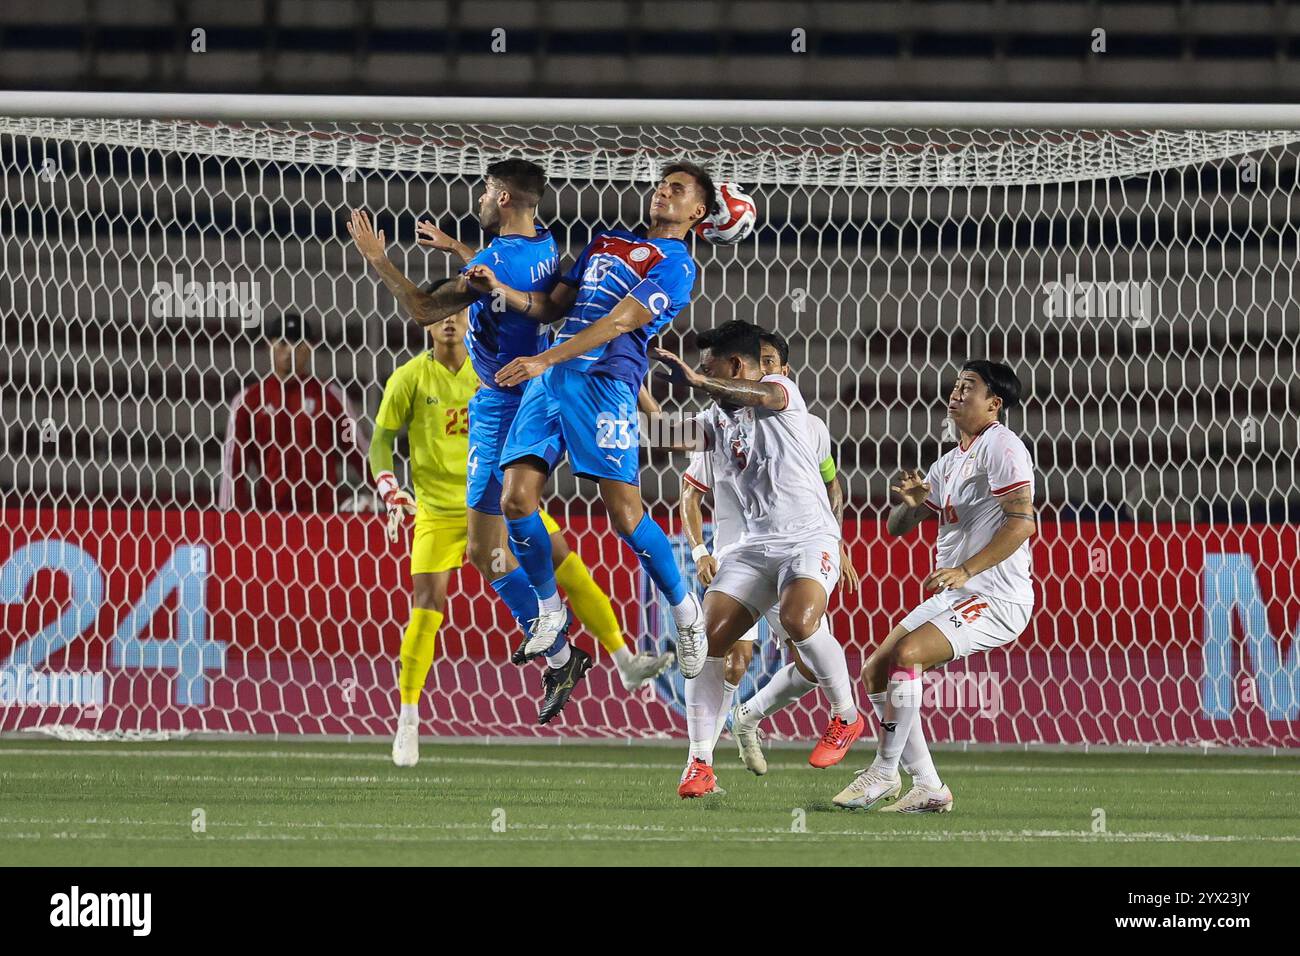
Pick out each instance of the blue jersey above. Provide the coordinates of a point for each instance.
(495, 339)
(658, 273)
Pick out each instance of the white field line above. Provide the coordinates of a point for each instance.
(441, 832)
(394, 778)
(400, 778)
(516, 763)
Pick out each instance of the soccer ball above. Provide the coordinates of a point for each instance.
(735, 219)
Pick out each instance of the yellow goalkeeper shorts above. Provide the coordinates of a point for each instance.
(439, 541)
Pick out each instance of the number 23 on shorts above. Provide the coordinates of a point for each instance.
(613, 433)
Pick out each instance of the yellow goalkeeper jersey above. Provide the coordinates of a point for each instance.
(432, 402)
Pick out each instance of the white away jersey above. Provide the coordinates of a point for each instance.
(763, 469)
(728, 523)
(966, 487)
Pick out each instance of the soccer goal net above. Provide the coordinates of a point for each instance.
(1141, 282)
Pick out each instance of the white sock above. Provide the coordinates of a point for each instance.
(560, 658)
(902, 708)
(703, 696)
(724, 708)
(552, 603)
(825, 658)
(916, 758)
(409, 714)
(684, 614)
(623, 657)
(786, 686)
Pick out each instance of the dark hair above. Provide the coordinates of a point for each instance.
(778, 342)
(732, 338)
(702, 179)
(524, 180)
(288, 327)
(999, 379)
(436, 284)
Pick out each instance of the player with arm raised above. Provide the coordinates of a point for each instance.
(527, 254)
(794, 680)
(623, 289)
(756, 435)
(982, 492)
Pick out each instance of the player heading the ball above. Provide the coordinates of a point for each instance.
(527, 256)
(623, 289)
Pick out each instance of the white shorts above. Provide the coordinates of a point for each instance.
(970, 621)
(755, 576)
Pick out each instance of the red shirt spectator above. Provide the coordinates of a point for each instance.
(289, 436)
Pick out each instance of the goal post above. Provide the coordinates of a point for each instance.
(1135, 263)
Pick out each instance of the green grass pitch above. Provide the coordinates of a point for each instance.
(318, 803)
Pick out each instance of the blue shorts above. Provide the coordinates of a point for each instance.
(590, 416)
(491, 414)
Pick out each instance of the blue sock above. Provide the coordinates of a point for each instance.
(655, 553)
(518, 595)
(531, 546)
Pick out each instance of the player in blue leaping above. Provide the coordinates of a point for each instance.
(621, 292)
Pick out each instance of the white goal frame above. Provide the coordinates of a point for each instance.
(1280, 120)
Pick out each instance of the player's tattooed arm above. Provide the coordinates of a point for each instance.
(908, 514)
(1019, 505)
(447, 299)
(424, 307)
(541, 308)
(1018, 526)
(729, 391)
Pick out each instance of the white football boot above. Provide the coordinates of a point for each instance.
(868, 789)
(644, 667)
(692, 643)
(748, 738)
(546, 630)
(406, 744)
(922, 799)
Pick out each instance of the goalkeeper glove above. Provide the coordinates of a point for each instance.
(399, 504)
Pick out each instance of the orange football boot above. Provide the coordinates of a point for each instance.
(835, 743)
(698, 780)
